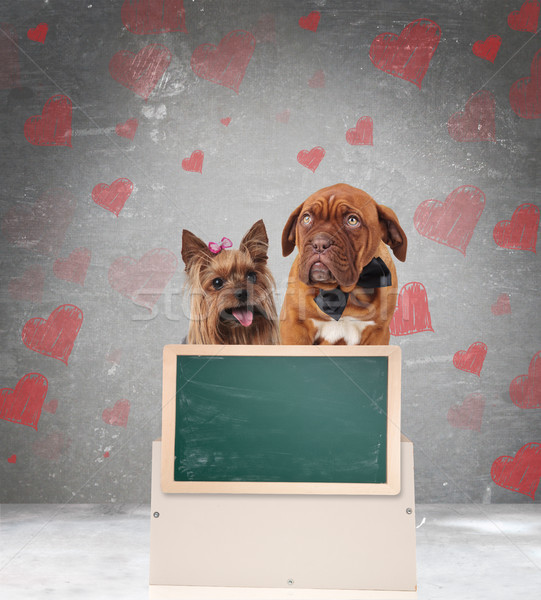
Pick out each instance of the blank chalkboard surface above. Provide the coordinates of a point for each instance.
(281, 419)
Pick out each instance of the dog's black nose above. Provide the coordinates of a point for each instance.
(241, 294)
(320, 243)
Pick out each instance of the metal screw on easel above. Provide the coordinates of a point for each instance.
(290, 582)
(156, 515)
(409, 511)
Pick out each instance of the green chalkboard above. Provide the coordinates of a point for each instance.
(281, 419)
(316, 419)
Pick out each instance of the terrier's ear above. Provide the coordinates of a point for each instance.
(193, 248)
(256, 242)
(289, 236)
(392, 233)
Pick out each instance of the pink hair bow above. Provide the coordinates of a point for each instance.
(217, 248)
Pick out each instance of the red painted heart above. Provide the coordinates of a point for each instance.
(153, 16)
(502, 306)
(194, 163)
(56, 335)
(362, 133)
(52, 446)
(43, 227)
(74, 267)
(51, 407)
(407, 55)
(488, 49)
(39, 33)
(265, 29)
(318, 80)
(526, 18)
(284, 116)
(477, 122)
(311, 21)
(127, 129)
(452, 222)
(143, 280)
(118, 414)
(225, 122)
(113, 197)
(9, 58)
(226, 63)
(472, 359)
(520, 233)
(412, 314)
(29, 286)
(311, 158)
(525, 93)
(140, 72)
(525, 390)
(469, 414)
(520, 473)
(23, 404)
(53, 126)
(12, 459)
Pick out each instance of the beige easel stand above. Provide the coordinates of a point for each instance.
(223, 546)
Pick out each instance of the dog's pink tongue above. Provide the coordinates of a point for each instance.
(243, 316)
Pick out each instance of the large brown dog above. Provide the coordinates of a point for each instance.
(342, 286)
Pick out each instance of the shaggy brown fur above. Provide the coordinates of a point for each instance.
(231, 292)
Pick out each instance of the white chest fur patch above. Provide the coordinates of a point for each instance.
(347, 328)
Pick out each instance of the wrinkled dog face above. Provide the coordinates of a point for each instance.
(333, 237)
(337, 231)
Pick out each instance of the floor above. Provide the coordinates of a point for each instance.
(96, 552)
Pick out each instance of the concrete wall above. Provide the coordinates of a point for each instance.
(456, 124)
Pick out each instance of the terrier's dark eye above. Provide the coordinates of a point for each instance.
(251, 277)
(218, 283)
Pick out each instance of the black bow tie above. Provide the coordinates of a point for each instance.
(375, 274)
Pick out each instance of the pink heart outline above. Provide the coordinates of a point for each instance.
(520, 473)
(477, 122)
(362, 134)
(488, 48)
(38, 33)
(472, 359)
(23, 404)
(143, 17)
(56, 335)
(113, 197)
(525, 390)
(140, 72)
(128, 129)
(468, 414)
(118, 414)
(194, 163)
(408, 54)
(74, 267)
(53, 126)
(526, 18)
(520, 232)
(226, 63)
(311, 21)
(525, 93)
(451, 223)
(412, 314)
(311, 159)
(143, 281)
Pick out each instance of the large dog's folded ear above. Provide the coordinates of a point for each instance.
(391, 232)
(289, 237)
(193, 248)
(256, 242)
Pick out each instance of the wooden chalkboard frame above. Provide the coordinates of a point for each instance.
(390, 487)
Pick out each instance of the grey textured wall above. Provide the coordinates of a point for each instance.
(463, 122)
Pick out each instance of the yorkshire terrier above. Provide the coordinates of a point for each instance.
(231, 290)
